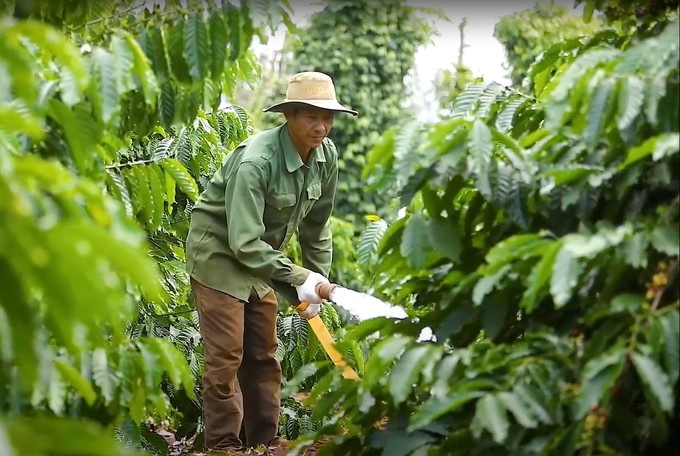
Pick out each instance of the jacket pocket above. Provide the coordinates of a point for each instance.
(313, 195)
(281, 200)
(279, 210)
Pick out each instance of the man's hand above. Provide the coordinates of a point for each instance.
(307, 293)
(311, 311)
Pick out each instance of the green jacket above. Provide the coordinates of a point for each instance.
(260, 196)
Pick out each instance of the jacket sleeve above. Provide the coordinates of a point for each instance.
(245, 192)
(316, 240)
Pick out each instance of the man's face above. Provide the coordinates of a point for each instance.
(308, 126)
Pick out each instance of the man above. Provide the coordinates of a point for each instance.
(275, 183)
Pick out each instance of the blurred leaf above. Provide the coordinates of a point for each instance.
(492, 415)
(599, 376)
(658, 388)
(415, 244)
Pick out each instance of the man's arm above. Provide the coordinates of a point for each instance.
(316, 241)
(244, 205)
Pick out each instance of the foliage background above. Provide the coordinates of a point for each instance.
(539, 240)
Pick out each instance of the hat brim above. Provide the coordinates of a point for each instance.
(330, 105)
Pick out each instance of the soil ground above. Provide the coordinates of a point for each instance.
(184, 448)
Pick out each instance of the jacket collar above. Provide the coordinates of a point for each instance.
(291, 155)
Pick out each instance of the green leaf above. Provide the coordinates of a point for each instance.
(445, 237)
(157, 194)
(665, 239)
(70, 94)
(137, 404)
(436, 407)
(658, 388)
(599, 377)
(124, 257)
(533, 403)
(106, 84)
(100, 373)
(407, 371)
(156, 52)
(179, 66)
(166, 104)
(145, 203)
(42, 435)
(467, 99)
(415, 242)
(56, 397)
(491, 414)
(174, 363)
(50, 39)
(153, 373)
(494, 311)
(627, 302)
(521, 413)
(588, 11)
(631, 99)
(123, 62)
(369, 241)
(219, 36)
(565, 276)
(170, 188)
(181, 176)
(598, 112)
(658, 146)
(670, 323)
(196, 47)
(516, 247)
(572, 75)
(80, 129)
(16, 119)
(142, 69)
(301, 375)
(234, 26)
(480, 144)
(505, 119)
(573, 173)
(655, 92)
(73, 377)
(486, 284)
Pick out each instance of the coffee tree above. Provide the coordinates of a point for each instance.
(111, 119)
(528, 34)
(541, 245)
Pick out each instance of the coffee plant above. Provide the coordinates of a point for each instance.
(540, 243)
(526, 35)
(112, 117)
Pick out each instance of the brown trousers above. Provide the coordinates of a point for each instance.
(242, 377)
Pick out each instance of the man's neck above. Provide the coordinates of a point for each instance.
(304, 152)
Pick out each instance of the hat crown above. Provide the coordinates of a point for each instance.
(311, 88)
(310, 85)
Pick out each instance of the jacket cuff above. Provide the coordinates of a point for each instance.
(298, 275)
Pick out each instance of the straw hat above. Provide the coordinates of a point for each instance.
(311, 88)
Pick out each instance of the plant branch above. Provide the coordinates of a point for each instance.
(132, 163)
(107, 18)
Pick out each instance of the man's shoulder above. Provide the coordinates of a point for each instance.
(329, 149)
(259, 147)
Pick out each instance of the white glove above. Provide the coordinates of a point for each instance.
(311, 311)
(307, 291)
